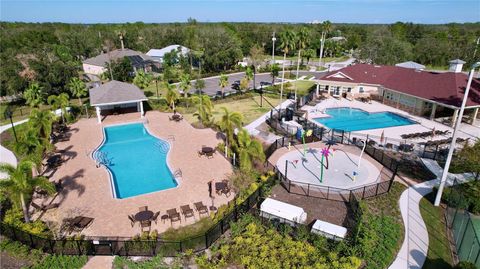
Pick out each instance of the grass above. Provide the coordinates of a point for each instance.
(249, 108)
(303, 86)
(439, 253)
(198, 228)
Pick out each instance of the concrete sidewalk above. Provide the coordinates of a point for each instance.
(413, 252)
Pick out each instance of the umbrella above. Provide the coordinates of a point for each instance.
(210, 188)
(433, 132)
(382, 137)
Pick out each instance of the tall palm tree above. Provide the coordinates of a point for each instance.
(326, 27)
(223, 82)
(34, 95)
(228, 123)
(185, 84)
(287, 44)
(41, 121)
(78, 88)
(142, 79)
(257, 55)
(204, 109)
(20, 184)
(249, 150)
(172, 95)
(302, 39)
(59, 101)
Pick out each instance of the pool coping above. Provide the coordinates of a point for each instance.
(329, 116)
(112, 184)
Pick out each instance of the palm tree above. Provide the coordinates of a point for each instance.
(77, 88)
(172, 95)
(228, 123)
(325, 27)
(30, 143)
(34, 95)
(41, 121)
(287, 44)
(142, 79)
(223, 82)
(185, 84)
(204, 109)
(257, 55)
(274, 71)
(199, 85)
(59, 101)
(249, 149)
(20, 184)
(302, 39)
(309, 54)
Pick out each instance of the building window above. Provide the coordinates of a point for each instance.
(360, 90)
(349, 89)
(336, 91)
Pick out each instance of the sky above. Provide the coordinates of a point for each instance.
(294, 11)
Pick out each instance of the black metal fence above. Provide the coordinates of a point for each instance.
(131, 247)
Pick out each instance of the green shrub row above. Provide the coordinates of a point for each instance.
(463, 196)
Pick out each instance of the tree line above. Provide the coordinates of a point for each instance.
(50, 54)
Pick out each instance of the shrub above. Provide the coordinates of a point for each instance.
(61, 261)
(463, 196)
(14, 217)
(155, 262)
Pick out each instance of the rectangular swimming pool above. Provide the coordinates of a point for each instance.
(137, 161)
(352, 119)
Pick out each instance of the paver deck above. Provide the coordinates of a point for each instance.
(87, 187)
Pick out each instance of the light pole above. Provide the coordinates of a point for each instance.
(273, 47)
(458, 121)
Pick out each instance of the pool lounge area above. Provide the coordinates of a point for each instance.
(354, 119)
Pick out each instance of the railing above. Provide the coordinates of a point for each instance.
(466, 234)
(129, 247)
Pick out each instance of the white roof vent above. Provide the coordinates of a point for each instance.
(456, 65)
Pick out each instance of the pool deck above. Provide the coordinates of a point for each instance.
(423, 125)
(87, 188)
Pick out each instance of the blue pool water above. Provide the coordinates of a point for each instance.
(136, 160)
(352, 119)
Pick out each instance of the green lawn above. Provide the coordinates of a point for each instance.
(249, 108)
(439, 254)
(303, 86)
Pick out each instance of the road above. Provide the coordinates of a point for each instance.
(211, 83)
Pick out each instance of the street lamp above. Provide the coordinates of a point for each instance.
(273, 47)
(9, 114)
(458, 121)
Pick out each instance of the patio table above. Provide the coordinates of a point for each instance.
(144, 215)
(207, 149)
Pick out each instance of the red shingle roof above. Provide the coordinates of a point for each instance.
(447, 88)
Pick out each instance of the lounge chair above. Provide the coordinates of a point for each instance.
(84, 222)
(155, 216)
(132, 220)
(44, 207)
(187, 211)
(173, 215)
(143, 208)
(201, 208)
(78, 223)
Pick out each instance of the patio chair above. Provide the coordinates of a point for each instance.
(187, 211)
(44, 207)
(209, 154)
(155, 216)
(146, 224)
(132, 220)
(200, 153)
(173, 215)
(201, 208)
(143, 208)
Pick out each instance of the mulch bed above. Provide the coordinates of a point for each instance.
(334, 212)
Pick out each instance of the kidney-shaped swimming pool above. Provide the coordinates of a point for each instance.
(137, 161)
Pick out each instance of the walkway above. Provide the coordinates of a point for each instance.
(6, 156)
(99, 262)
(415, 244)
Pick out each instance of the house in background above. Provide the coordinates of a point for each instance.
(424, 93)
(411, 65)
(158, 54)
(99, 64)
